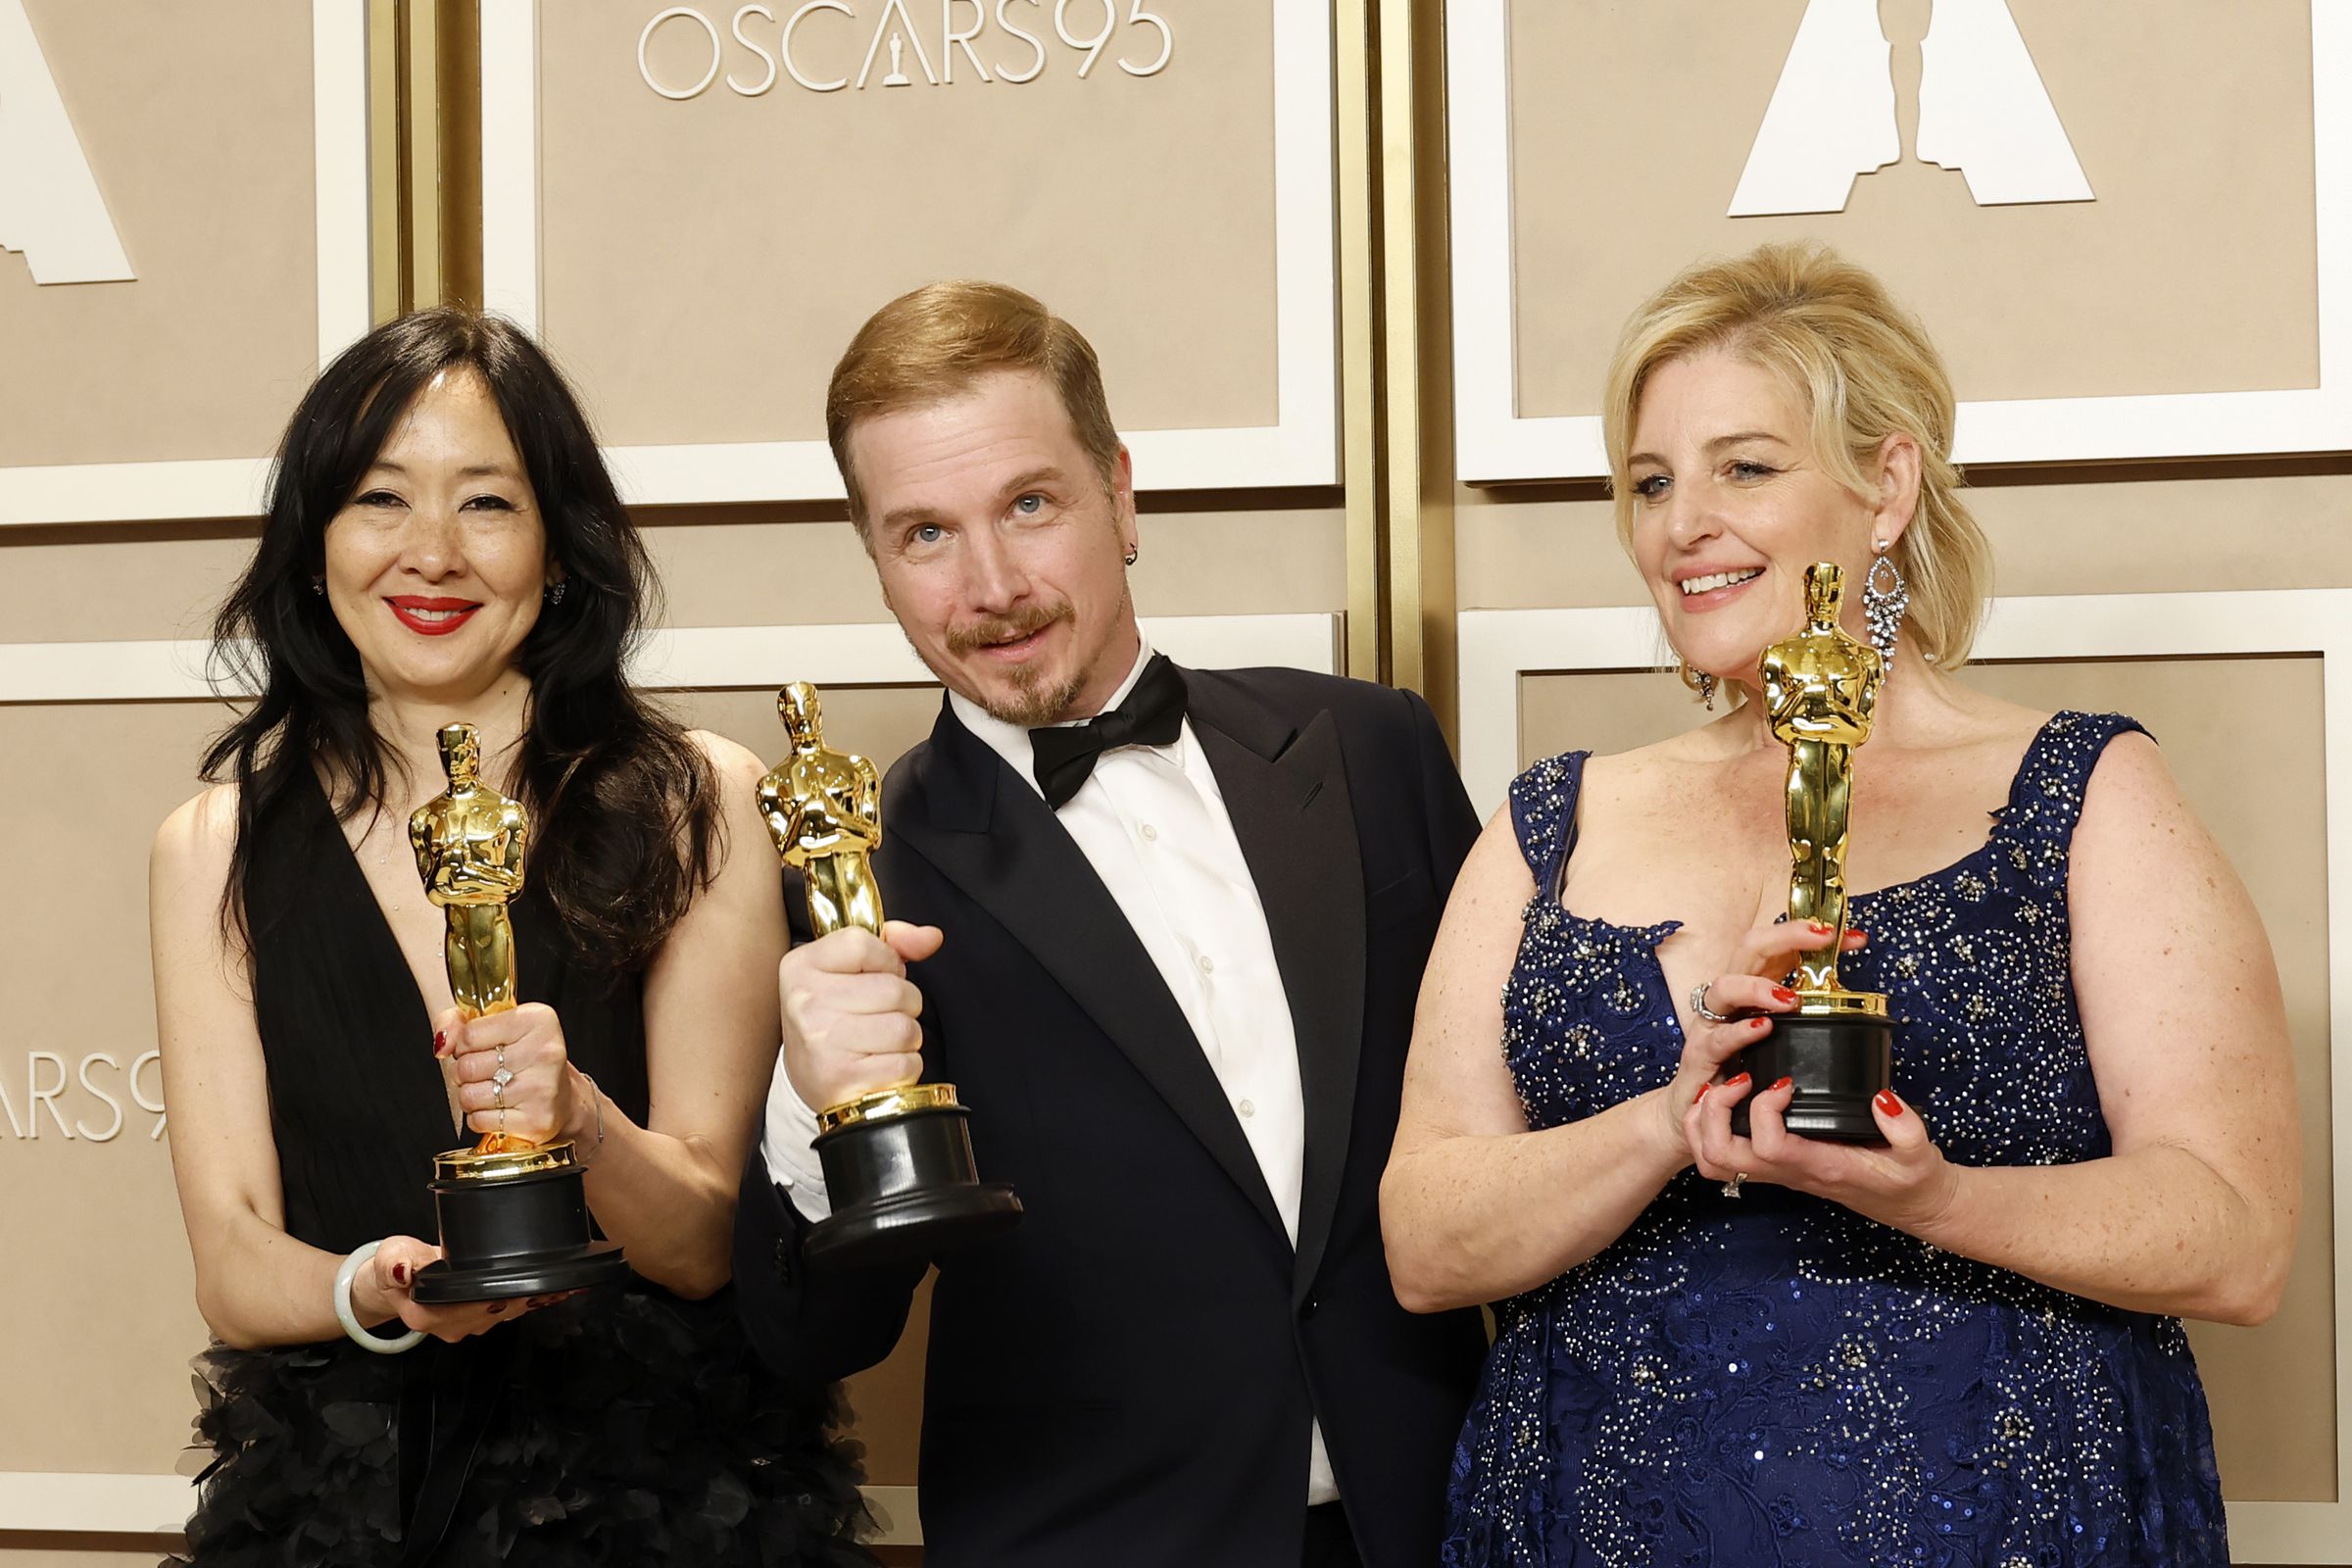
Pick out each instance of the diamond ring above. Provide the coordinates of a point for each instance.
(1731, 1188)
(1699, 1004)
(502, 1077)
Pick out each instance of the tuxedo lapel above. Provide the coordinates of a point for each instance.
(1003, 846)
(1286, 791)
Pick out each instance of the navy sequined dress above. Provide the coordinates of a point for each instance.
(1780, 1380)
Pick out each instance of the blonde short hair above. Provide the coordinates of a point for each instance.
(1864, 369)
(934, 343)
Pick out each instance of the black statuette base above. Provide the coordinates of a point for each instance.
(904, 1187)
(523, 1236)
(1839, 1064)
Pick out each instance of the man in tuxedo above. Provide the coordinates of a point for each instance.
(1163, 929)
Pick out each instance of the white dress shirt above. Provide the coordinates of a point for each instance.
(1151, 822)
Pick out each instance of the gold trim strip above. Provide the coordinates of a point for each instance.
(422, 172)
(459, 72)
(385, 239)
(466, 1166)
(884, 1104)
(1416, 353)
(1840, 1005)
(1357, 116)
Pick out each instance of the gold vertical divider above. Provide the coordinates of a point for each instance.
(1416, 353)
(420, 162)
(387, 237)
(459, 122)
(439, 181)
(1355, 101)
(1396, 346)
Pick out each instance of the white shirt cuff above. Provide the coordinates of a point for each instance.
(791, 1163)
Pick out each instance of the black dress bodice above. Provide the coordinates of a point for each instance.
(358, 1105)
(625, 1425)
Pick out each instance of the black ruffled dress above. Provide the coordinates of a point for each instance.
(625, 1426)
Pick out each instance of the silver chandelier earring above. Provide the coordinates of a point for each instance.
(555, 590)
(1882, 608)
(1698, 681)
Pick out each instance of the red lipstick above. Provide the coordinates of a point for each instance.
(429, 617)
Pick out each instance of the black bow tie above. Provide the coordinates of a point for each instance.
(1152, 715)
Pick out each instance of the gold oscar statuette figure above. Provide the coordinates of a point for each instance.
(898, 1161)
(471, 844)
(514, 1214)
(1821, 689)
(825, 811)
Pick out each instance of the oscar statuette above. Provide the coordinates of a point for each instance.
(898, 1161)
(514, 1215)
(1821, 688)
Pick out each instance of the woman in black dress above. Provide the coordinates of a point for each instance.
(443, 543)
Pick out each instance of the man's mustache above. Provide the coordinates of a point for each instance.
(1007, 628)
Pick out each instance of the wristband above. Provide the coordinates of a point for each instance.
(596, 1096)
(350, 1320)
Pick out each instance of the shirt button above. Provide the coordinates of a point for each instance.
(1208, 964)
(1150, 833)
(1247, 1108)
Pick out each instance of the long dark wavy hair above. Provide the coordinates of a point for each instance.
(623, 805)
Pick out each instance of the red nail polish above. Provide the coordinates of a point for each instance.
(1734, 1083)
(1703, 1091)
(400, 1271)
(1822, 926)
(440, 1039)
(1783, 994)
(1856, 931)
(1778, 1086)
(497, 1308)
(1886, 1101)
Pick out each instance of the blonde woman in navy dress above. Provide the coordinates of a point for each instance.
(1961, 1349)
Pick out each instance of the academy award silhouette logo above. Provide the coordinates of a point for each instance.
(1983, 111)
(50, 208)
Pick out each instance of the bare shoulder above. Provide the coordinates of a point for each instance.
(2138, 846)
(200, 834)
(1495, 882)
(731, 760)
(187, 871)
(2131, 790)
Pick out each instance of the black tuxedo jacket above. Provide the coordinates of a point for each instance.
(1125, 1380)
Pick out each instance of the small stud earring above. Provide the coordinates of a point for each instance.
(554, 591)
(317, 585)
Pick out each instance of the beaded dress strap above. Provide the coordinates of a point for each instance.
(1543, 816)
(2045, 798)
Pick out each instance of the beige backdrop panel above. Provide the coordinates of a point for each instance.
(2194, 271)
(197, 124)
(98, 1322)
(2271, 1390)
(705, 262)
